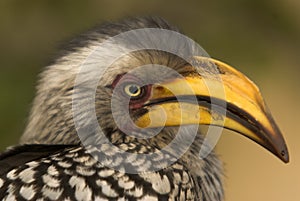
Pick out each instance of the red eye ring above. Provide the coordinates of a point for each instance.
(132, 88)
(140, 96)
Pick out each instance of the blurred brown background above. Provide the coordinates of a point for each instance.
(259, 37)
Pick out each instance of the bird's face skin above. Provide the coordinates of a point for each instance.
(167, 103)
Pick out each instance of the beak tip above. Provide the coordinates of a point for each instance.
(284, 155)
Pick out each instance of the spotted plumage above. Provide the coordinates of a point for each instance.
(71, 173)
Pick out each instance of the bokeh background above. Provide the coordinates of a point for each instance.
(259, 37)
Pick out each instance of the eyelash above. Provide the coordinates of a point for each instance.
(120, 83)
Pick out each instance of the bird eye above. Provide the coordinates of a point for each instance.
(133, 90)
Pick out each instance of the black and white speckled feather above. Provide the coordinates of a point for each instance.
(71, 173)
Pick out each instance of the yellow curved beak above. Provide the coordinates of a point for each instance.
(199, 98)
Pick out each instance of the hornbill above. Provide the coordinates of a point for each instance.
(140, 109)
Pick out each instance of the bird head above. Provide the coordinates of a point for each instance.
(134, 95)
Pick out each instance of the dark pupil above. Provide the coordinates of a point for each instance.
(133, 89)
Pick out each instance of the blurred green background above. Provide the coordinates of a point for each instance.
(259, 37)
